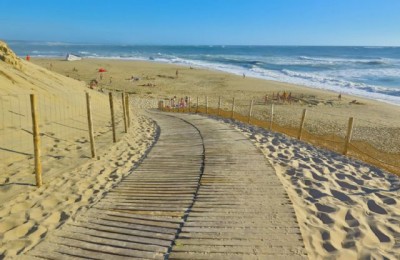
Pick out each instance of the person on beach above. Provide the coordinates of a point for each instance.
(244, 75)
(176, 73)
(284, 96)
(28, 58)
(173, 101)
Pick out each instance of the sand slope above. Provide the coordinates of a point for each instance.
(72, 181)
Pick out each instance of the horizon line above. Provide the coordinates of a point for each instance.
(208, 45)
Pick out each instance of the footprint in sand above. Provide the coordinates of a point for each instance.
(56, 218)
(348, 244)
(341, 196)
(325, 218)
(366, 177)
(329, 247)
(372, 206)
(383, 238)
(291, 172)
(78, 199)
(316, 194)
(346, 185)
(356, 180)
(352, 233)
(325, 208)
(317, 160)
(325, 235)
(20, 231)
(318, 177)
(350, 220)
(385, 199)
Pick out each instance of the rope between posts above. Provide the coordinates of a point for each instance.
(324, 113)
(374, 123)
(332, 141)
(376, 159)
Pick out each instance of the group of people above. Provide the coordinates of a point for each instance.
(179, 103)
(285, 97)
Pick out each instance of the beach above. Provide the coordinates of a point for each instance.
(345, 208)
(376, 123)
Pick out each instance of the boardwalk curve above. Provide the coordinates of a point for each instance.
(203, 192)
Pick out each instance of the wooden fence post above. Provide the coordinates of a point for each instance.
(250, 110)
(128, 116)
(197, 105)
(110, 96)
(189, 104)
(90, 125)
(303, 116)
(124, 112)
(219, 105)
(206, 104)
(271, 117)
(348, 135)
(233, 108)
(36, 141)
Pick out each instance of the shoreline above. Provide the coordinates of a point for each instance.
(356, 93)
(376, 123)
(269, 84)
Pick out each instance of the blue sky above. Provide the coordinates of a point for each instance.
(254, 22)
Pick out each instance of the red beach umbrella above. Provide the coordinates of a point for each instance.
(102, 70)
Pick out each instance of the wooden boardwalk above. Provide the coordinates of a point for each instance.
(203, 192)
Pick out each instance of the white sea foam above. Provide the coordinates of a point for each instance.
(356, 75)
(332, 80)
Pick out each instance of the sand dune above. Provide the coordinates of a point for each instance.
(72, 181)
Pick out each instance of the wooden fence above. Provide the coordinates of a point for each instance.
(35, 126)
(335, 136)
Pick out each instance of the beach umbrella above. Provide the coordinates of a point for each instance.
(102, 70)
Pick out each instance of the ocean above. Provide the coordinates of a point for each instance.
(369, 72)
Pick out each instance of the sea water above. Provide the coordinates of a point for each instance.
(371, 72)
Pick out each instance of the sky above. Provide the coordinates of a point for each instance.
(198, 22)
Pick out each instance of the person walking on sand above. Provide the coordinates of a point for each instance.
(176, 73)
(28, 58)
